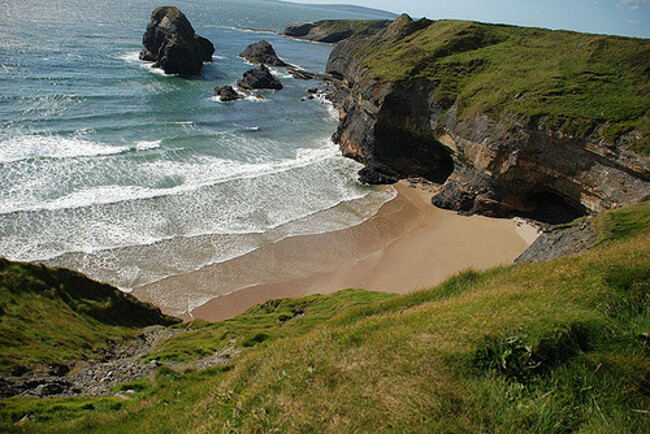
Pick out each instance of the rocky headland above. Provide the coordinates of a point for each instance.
(170, 42)
(333, 31)
(508, 119)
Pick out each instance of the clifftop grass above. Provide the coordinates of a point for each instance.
(553, 347)
(359, 27)
(54, 315)
(580, 82)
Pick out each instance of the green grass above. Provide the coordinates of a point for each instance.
(580, 83)
(360, 27)
(261, 324)
(53, 315)
(547, 348)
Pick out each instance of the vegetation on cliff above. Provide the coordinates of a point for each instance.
(552, 347)
(54, 315)
(581, 83)
(332, 31)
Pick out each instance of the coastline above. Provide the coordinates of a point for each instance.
(408, 245)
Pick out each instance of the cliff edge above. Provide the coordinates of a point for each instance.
(511, 120)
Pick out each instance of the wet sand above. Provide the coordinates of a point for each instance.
(408, 245)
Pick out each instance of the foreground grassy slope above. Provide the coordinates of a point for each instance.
(579, 81)
(551, 347)
(52, 315)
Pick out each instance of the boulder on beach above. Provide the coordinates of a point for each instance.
(262, 53)
(171, 42)
(226, 93)
(259, 78)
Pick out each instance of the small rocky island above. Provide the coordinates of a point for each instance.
(226, 93)
(259, 78)
(262, 53)
(170, 42)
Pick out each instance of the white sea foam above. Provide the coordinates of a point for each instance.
(24, 147)
(202, 172)
(131, 57)
(134, 57)
(280, 73)
(32, 146)
(246, 96)
(146, 145)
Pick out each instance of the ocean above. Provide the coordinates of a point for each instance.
(109, 167)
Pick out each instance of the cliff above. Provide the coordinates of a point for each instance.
(511, 120)
(333, 31)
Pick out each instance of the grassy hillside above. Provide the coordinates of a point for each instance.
(359, 27)
(551, 347)
(579, 81)
(52, 315)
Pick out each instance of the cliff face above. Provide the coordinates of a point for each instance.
(546, 138)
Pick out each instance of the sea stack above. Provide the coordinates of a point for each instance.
(262, 53)
(171, 42)
(259, 79)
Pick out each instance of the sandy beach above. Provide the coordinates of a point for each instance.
(408, 245)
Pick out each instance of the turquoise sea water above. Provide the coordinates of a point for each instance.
(109, 167)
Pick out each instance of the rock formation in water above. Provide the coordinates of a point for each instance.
(510, 120)
(259, 78)
(226, 93)
(262, 53)
(333, 31)
(171, 43)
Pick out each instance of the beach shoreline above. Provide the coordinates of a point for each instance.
(407, 245)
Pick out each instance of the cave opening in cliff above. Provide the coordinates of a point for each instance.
(413, 155)
(550, 207)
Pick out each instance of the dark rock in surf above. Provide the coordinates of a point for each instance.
(378, 174)
(171, 42)
(262, 53)
(226, 93)
(260, 78)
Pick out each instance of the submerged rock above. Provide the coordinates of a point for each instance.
(226, 93)
(171, 42)
(260, 78)
(262, 53)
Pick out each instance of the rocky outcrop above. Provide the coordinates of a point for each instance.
(559, 241)
(260, 78)
(170, 42)
(333, 31)
(497, 164)
(226, 93)
(262, 53)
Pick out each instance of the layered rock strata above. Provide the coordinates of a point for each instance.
(496, 164)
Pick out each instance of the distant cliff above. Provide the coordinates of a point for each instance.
(511, 120)
(333, 31)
